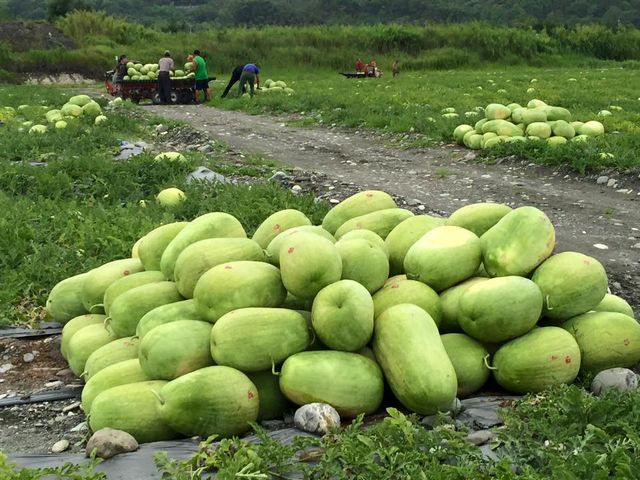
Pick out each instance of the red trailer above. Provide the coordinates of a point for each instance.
(182, 90)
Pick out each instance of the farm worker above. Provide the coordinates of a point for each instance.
(373, 68)
(235, 77)
(202, 77)
(359, 66)
(121, 71)
(395, 68)
(165, 65)
(251, 75)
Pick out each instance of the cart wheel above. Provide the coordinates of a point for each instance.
(135, 99)
(186, 96)
(175, 97)
(156, 99)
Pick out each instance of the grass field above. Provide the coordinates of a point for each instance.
(82, 209)
(412, 103)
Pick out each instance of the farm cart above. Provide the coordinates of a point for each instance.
(182, 90)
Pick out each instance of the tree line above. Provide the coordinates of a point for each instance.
(187, 14)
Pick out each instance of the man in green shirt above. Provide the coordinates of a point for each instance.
(202, 76)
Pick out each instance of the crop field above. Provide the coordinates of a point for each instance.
(412, 104)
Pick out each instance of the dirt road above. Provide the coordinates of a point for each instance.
(597, 220)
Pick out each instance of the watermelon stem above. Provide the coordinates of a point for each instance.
(97, 305)
(107, 324)
(157, 395)
(273, 368)
(549, 307)
(486, 363)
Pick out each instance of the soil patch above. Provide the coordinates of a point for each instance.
(25, 36)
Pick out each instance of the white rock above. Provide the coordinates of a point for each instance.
(60, 446)
(601, 246)
(316, 418)
(5, 367)
(73, 406)
(109, 442)
(602, 180)
(621, 378)
(480, 437)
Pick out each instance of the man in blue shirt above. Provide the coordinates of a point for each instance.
(251, 75)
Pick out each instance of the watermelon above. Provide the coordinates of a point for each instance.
(468, 359)
(278, 223)
(176, 348)
(571, 284)
(342, 315)
(255, 339)
(349, 382)
(215, 400)
(309, 263)
(443, 257)
(543, 358)
(234, 285)
(415, 363)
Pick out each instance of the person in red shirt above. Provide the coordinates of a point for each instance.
(359, 66)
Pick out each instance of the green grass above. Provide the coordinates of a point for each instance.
(412, 103)
(82, 209)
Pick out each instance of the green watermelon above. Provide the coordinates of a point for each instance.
(65, 299)
(209, 225)
(518, 243)
(309, 263)
(571, 284)
(153, 244)
(606, 340)
(201, 256)
(349, 382)
(355, 206)
(278, 223)
(404, 235)
(215, 400)
(363, 262)
(233, 285)
(500, 308)
(408, 347)
(478, 217)
(342, 315)
(176, 348)
(401, 290)
(468, 357)
(443, 257)
(543, 358)
(133, 408)
(255, 339)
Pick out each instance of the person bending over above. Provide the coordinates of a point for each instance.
(251, 75)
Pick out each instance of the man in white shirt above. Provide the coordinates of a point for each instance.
(165, 65)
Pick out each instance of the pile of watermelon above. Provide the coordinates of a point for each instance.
(77, 107)
(149, 71)
(204, 330)
(515, 123)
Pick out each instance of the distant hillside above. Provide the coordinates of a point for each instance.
(185, 14)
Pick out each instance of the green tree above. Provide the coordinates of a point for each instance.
(59, 8)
